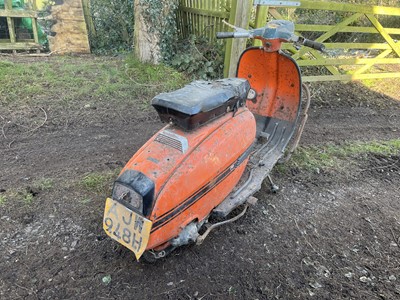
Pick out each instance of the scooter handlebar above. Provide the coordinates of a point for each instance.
(314, 45)
(224, 35)
(228, 35)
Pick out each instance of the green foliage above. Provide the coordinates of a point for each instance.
(199, 59)
(149, 80)
(113, 23)
(44, 23)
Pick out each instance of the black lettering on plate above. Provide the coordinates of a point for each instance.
(113, 210)
(138, 224)
(136, 242)
(116, 232)
(130, 219)
(109, 224)
(126, 236)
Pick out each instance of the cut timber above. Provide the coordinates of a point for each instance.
(69, 32)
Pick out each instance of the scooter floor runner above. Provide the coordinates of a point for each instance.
(268, 149)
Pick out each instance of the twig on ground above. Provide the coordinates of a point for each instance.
(203, 297)
(122, 117)
(2, 131)
(307, 242)
(395, 239)
(169, 291)
(33, 54)
(28, 290)
(381, 167)
(45, 120)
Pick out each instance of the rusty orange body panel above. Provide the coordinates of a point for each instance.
(190, 183)
(276, 79)
(190, 169)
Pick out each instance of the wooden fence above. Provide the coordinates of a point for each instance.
(16, 40)
(204, 18)
(384, 52)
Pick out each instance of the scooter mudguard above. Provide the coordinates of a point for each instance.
(180, 176)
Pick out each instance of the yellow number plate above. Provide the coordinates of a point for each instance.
(126, 226)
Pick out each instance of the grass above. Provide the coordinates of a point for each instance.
(19, 195)
(71, 81)
(44, 184)
(85, 200)
(333, 156)
(149, 75)
(3, 200)
(99, 182)
(27, 197)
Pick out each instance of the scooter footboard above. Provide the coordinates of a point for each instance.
(271, 143)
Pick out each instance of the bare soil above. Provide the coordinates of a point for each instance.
(332, 234)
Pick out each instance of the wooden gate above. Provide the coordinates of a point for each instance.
(12, 38)
(343, 67)
(204, 17)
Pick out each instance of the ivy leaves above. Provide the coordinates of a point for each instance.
(199, 59)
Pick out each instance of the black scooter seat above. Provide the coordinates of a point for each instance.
(203, 96)
(201, 101)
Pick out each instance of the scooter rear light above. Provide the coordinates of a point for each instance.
(127, 196)
(135, 190)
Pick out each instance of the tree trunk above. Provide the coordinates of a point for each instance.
(152, 21)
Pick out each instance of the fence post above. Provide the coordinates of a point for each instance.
(10, 23)
(88, 18)
(35, 27)
(261, 20)
(240, 14)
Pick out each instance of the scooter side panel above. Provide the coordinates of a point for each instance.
(276, 79)
(209, 197)
(204, 178)
(158, 160)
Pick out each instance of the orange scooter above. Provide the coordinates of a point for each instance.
(221, 142)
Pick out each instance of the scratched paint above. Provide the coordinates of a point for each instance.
(212, 149)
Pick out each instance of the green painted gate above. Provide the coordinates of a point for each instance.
(380, 48)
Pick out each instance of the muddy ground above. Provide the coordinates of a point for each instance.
(327, 234)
